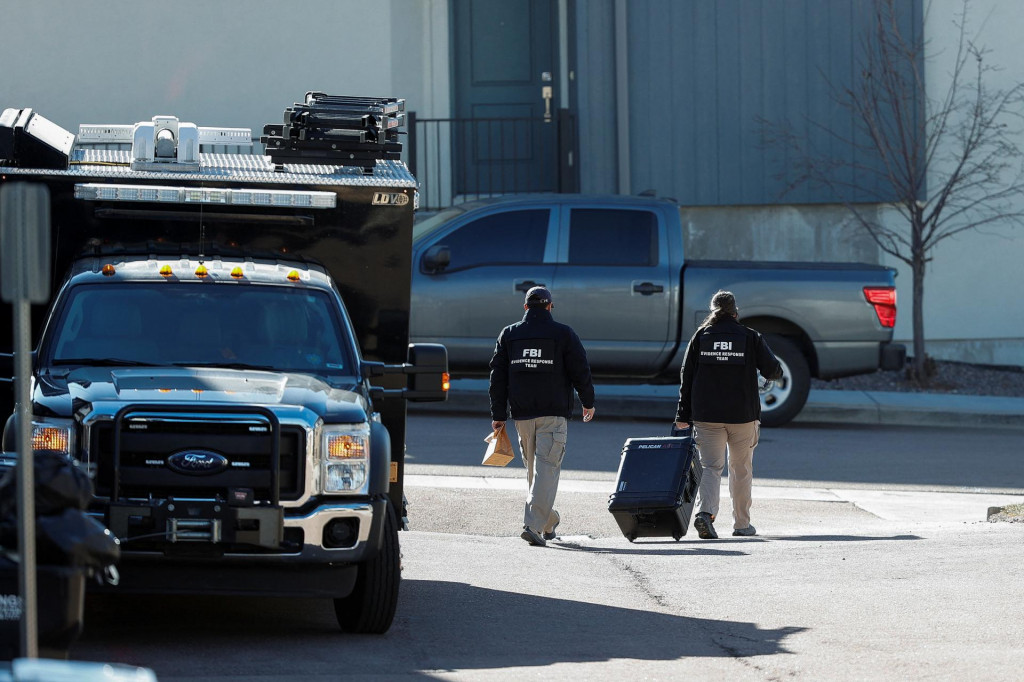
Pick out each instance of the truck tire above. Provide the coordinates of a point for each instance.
(784, 399)
(371, 606)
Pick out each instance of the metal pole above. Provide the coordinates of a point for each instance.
(25, 254)
(26, 482)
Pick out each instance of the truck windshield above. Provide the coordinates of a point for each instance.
(190, 324)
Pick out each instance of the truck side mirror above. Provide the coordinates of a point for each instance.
(6, 367)
(427, 369)
(429, 380)
(436, 258)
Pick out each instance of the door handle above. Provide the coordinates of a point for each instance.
(648, 288)
(547, 93)
(527, 285)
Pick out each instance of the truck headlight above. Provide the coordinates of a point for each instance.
(346, 458)
(55, 435)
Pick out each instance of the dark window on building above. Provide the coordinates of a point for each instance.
(612, 237)
(512, 237)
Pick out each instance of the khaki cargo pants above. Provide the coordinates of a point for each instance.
(712, 441)
(542, 442)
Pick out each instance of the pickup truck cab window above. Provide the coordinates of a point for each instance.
(634, 234)
(514, 237)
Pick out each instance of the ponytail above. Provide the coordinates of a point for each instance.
(723, 305)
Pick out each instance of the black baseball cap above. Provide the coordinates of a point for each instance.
(538, 295)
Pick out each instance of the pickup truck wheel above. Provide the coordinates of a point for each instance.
(783, 400)
(371, 606)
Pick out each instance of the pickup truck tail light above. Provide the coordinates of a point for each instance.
(884, 301)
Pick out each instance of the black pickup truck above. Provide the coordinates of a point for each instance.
(227, 353)
(621, 278)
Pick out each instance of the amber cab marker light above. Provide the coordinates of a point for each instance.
(166, 271)
(446, 381)
(201, 271)
(236, 272)
(293, 276)
(108, 270)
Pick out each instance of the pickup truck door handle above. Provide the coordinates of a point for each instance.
(648, 288)
(527, 285)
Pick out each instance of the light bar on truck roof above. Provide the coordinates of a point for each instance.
(90, 133)
(204, 195)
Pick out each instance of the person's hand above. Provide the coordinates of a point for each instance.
(497, 425)
(682, 425)
(588, 413)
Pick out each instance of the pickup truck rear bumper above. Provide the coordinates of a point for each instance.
(841, 359)
(893, 356)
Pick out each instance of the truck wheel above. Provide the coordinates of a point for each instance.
(783, 400)
(371, 606)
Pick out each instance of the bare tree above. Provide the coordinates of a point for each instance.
(946, 164)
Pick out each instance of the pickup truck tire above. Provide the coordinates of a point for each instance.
(782, 401)
(371, 606)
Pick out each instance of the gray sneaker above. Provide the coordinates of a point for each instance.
(749, 530)
(531, 536)
(705, 529)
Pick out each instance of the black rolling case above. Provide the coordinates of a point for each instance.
(656, 486)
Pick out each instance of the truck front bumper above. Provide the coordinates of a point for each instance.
(194, 559)
(140, 575)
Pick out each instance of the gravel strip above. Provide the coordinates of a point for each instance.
(950, 377)
(1011, 514)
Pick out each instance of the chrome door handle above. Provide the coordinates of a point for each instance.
(648, 288)
(527, 285)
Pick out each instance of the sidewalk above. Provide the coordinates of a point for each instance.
(840, 407)
(901, 506)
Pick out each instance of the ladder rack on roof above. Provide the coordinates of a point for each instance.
(335, 129)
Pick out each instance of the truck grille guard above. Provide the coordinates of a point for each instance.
(271, 418)
(187, 518)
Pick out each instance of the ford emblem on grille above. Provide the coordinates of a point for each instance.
(197, 462)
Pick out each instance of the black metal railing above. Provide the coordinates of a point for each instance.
(461, 159)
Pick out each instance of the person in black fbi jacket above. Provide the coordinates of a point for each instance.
(537, 364)
(718, 394)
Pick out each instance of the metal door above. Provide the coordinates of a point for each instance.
(504, 80)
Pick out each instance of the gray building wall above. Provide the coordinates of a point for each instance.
(595, 95)
(701, 78)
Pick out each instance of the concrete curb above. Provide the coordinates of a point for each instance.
(469, 396)
(913, 409)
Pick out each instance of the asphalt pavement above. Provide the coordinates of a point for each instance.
(839, 407)
(469, 396)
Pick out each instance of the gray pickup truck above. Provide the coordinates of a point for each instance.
(617, 268)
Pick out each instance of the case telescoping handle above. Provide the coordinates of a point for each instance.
(688, 431)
